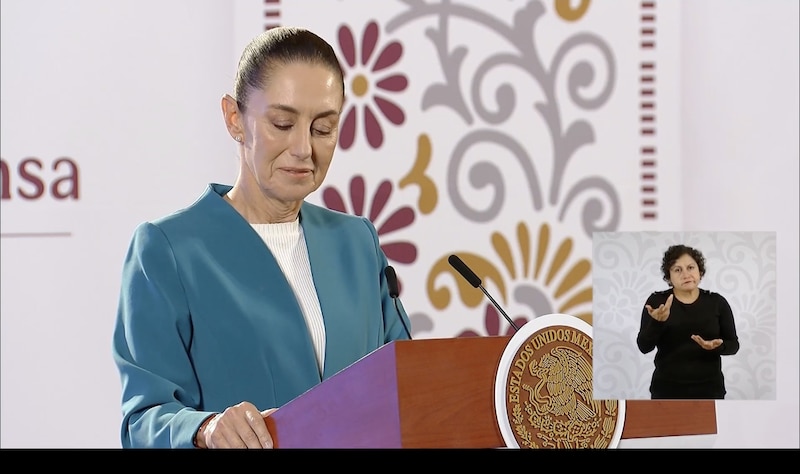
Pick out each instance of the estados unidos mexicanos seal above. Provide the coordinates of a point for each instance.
(543, 389)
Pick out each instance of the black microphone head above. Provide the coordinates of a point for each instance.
(391, 280)
(464, 270)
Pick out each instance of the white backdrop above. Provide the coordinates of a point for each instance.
(129, 92)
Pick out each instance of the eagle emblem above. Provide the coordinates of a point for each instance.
(548, 393)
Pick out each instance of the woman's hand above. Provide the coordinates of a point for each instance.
(241, 426)
(707, 345)
(662, 312)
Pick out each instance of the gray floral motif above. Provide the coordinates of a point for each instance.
(601, 204)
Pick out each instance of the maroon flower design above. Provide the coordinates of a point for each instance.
(362, 71)
(492, 320)
(397, 251)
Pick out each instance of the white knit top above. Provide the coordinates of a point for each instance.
(288, 244)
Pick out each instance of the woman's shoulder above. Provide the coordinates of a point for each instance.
(211, 198)
(659, 296)
(711, 294)
(663, 293)
(208, 211)
(356, 229)
(318, 213)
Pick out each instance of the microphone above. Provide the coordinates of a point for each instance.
(394, 292)
(475, 281)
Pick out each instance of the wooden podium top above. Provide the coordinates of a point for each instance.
(438, 393)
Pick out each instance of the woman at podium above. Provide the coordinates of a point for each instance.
(251, 296)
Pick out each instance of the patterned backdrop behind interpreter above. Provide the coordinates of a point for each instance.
(741, 266)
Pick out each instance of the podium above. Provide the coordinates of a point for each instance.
(438, 393)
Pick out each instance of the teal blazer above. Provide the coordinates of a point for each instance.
(206, 318)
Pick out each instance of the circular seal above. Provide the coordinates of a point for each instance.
(543, 389)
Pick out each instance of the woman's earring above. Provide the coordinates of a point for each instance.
(238, 138)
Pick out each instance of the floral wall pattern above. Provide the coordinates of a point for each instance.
(509, 132)
(504, 132)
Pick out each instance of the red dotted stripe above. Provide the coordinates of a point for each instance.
(272, 14)
(647, 110)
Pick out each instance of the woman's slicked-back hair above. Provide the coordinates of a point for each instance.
(674, 252)
(280, 46)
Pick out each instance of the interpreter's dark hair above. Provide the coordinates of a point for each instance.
(280, 46)
(675, 252)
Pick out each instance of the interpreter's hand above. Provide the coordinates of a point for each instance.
(662, 312)
(241, 426)
(707, 345)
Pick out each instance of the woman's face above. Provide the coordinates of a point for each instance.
(684, 273)
(291, 129)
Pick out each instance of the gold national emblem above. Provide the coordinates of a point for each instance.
(548, 392)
